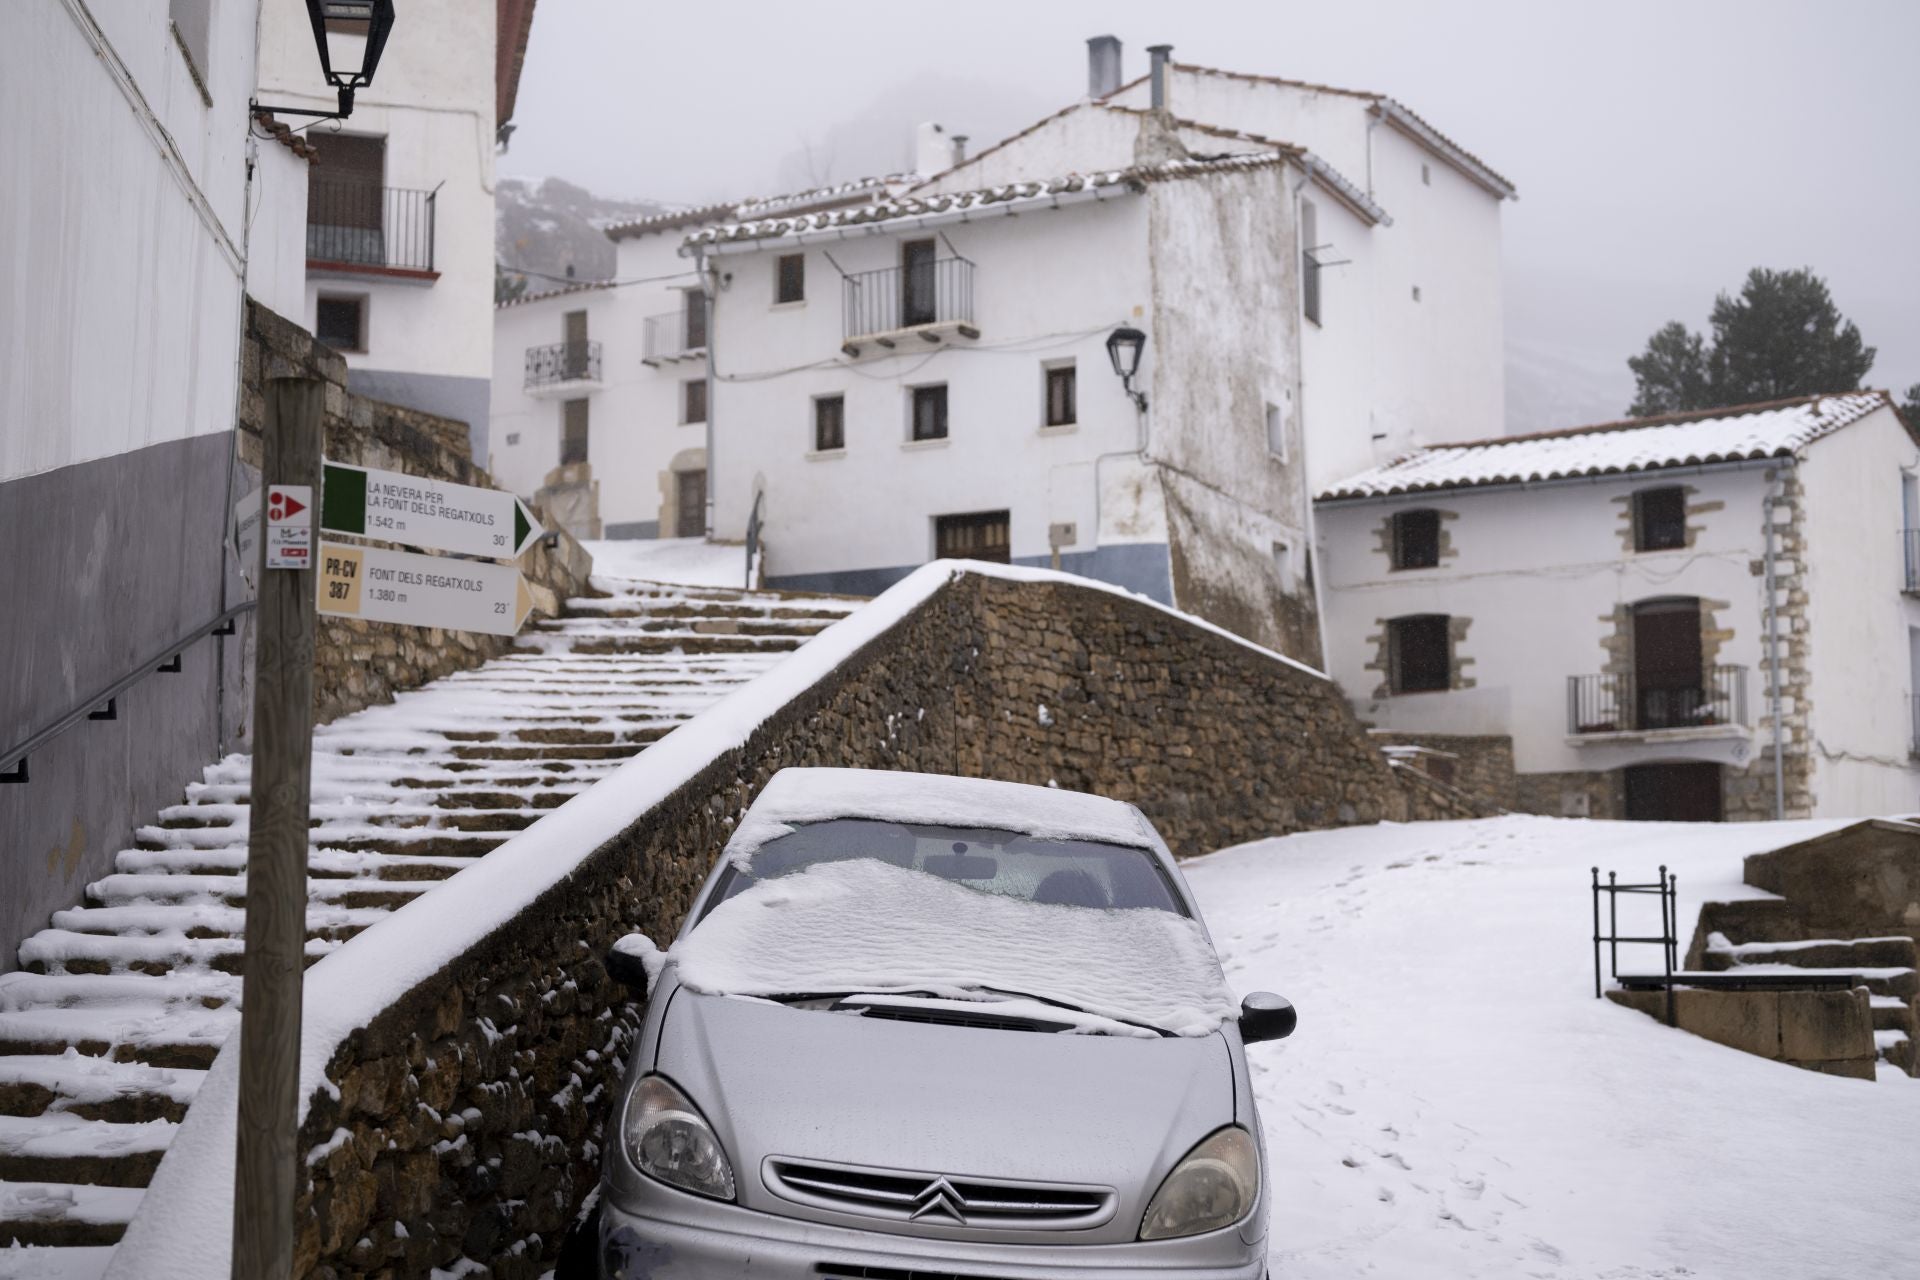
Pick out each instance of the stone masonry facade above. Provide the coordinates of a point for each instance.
(359, 664)
(464, 1120)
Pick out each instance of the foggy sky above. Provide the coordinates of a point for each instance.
(1660, 149)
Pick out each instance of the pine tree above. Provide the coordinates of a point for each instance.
(1782, 337)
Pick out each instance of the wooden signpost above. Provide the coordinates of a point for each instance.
(299, 576)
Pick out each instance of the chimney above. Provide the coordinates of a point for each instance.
(1103, 66)
(1161, 55)
(959, 149)
(932, 152)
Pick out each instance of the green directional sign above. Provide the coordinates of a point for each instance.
(421, 512)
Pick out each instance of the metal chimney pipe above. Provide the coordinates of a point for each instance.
(1161, 55)
(1103, 66)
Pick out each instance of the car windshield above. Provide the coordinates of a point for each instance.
(1073, 873)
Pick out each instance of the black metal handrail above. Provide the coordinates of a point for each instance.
(895, 298)
(562, 362)
(103, 705)
(753, 536)
(1667, 886)
(673, 335)
(1622, 701)
(358, 223)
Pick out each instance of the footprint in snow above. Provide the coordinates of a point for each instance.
(1395, 1158)
(1339, 1110)
(1384, 1195)
(1471, 1188)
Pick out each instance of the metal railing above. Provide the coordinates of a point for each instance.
(894, 298)
(563, 362)
(1910, 561)
(1619, 702)
(1668, 887)
(753, 541)
(104, 704)
(675, 335)
(357, 223)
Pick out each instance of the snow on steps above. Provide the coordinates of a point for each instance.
(1886, 966)
(122, 1002)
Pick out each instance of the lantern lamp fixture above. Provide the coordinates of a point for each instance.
(1124, 346)
(350, 36)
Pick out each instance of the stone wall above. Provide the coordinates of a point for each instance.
(1826, 1031)
(359, 664)
(458, 1122)
(1478, 765)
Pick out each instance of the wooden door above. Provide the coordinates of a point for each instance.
(1687, 792)
(1667, 665)
(980, 535)
(691, 502)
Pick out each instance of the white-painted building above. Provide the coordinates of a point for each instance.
(140, 202)
(599, 389)
(1602, 595)
(399, 253)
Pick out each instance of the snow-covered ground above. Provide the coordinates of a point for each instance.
(687, 562)
(1457, 1105)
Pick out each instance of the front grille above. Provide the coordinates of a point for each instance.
(936, 1200)
(847, 1271)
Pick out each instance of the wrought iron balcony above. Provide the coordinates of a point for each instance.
(922, 298)
(1615, 702)
(1910, 561)
(563, 367)
(356, 225)
(677, 335)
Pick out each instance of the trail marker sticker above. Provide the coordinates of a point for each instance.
(422, 512)
(422, 591)
(289, 526)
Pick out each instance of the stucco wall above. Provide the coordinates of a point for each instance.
(1860, 668)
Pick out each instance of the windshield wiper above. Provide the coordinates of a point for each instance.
(1063, 1004)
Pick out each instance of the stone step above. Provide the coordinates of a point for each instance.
(1897, 1048)
(1889, 980)
(157, 1035)
(21, 990)
(206, 920)
(127, 889)
(57, 1147)
(63, 951)
(322, 864)
(1890, 1013)
(64, 1215)
(679, 642)
(1822, 953)
(95, 1088)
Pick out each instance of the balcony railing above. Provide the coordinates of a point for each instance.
(562, 363)
(881, 303)
(676, 335)
(353, 223)
(1613, 702)
(1910, 561)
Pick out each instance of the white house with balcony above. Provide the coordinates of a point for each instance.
(1660, 612)
(399, 255)
(599, 396)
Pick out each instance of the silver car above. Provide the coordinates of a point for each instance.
(931, 1028)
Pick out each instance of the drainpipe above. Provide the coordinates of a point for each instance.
(1775, 497)
(710, 286)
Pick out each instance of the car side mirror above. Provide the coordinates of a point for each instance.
(1266, 1016)
(627, 962)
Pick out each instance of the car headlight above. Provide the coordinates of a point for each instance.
(669, 1139)
(1214, 1185)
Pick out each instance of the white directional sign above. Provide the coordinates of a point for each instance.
(420, 512)
(289, 526)
(422, 591)
(246, 530)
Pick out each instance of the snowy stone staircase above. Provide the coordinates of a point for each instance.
(121, 1004)
(1886, 965)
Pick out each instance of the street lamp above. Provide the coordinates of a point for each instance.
(1124, 346)
(350, 36)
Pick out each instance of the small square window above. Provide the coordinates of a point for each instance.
(790, 278)
(1416, 540)
(193, 31)
(1426, 175)
(1283, 565)
(1660, 519)
(573, 432)
(341, 323)
(1062, 388)
(980, 535)
(1277, 431)
(930, 412)
(1420, 653)
(1416, 293)
(693, 401)
(513, 438)
(829, 423)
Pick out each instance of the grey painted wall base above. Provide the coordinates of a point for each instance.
(632, 530)
(108, 561)
(1144, 567)
(462, 399)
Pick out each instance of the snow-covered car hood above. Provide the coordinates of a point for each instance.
(960, 1101)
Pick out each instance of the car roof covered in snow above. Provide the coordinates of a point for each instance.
(795, 796)
(1741, 433)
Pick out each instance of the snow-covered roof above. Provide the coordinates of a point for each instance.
(794, 796)
(578, 286)
(1772, 430)
(1041, 192)
(833, 196)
